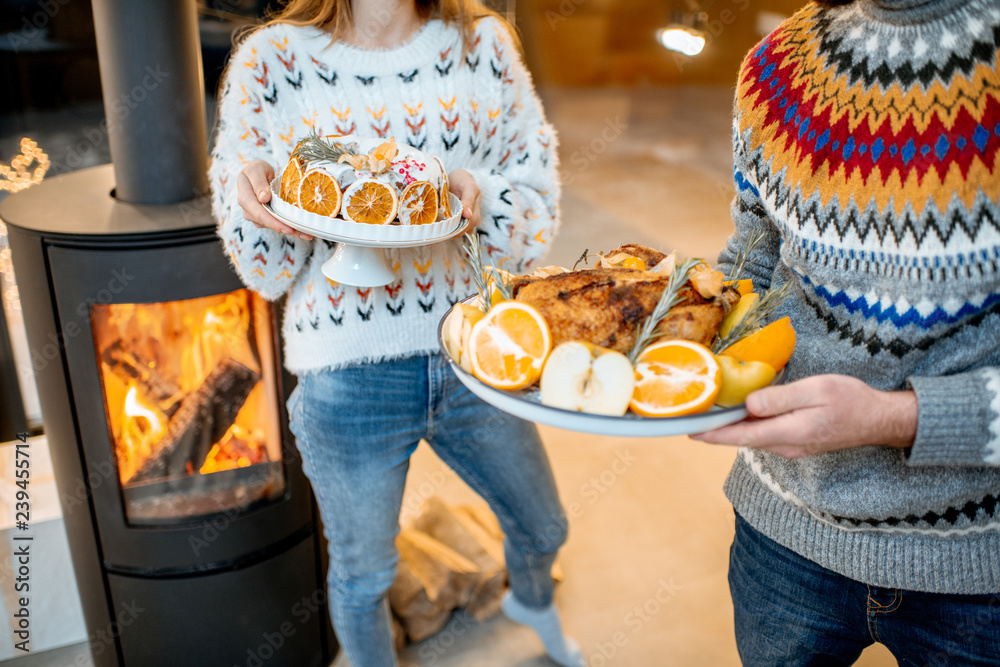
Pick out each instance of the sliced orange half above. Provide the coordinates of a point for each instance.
(773, 345)
(508, 347)
(370, 202)
(319, 193)
(418, 205)
(290, 180)
(675, 377)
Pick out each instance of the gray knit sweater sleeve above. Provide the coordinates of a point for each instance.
(959, 419)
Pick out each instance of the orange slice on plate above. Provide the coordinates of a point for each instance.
(290, 180)
(418, 205)
(508, 347)
(773, 345)
(370, 202)
(744, 286)
(674, 378)
(319, 193)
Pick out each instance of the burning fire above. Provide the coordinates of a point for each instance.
(142, 425)
(236, 448)
(188, 385)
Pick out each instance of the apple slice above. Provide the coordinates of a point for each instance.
(582, 377)
(457, 329)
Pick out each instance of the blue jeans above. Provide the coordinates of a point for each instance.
(357, 427)
(790, 611)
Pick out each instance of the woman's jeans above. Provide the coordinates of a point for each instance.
(790, 611)
(356, 429)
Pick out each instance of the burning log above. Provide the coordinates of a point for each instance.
(200, 420)
(161, 390)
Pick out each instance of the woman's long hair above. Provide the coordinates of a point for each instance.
(335, 16)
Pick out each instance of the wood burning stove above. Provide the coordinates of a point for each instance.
(192, 528)
(191, 525)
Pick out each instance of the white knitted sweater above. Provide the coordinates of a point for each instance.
(478, 112)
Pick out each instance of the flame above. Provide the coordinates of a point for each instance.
(142, 427)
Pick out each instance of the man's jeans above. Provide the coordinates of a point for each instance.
(356, 429)
(790, 611)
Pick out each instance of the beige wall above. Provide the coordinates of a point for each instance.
(612, 42)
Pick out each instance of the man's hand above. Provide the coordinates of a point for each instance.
(821, 414)
(465, 188)
(253, 187)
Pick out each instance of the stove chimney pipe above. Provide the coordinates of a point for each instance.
(150, 59)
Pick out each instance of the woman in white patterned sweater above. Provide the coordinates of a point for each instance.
(446, 78)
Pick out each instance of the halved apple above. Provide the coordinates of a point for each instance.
(587, 378)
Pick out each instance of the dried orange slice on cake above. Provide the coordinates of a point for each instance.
(675, 377)
(508, 347)
(290, 180)
(319, 193)
(418, 205)
(370, 202)
(444, 209)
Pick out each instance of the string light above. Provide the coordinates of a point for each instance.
(18, 175)
(9, 299)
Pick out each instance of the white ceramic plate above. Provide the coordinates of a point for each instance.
(527, 405)
(371, 236)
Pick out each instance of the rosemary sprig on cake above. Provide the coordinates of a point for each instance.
(671, 297)
(316, 149)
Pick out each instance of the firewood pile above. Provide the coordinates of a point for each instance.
(451, 557)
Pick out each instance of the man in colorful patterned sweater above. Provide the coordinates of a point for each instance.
(867, 150)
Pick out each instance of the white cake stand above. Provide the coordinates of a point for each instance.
(360, 259)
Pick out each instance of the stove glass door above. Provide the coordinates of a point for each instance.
(190, 391)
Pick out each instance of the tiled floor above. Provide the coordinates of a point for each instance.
(648, 549)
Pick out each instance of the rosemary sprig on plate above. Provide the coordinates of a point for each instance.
(483, 274)
(315, 149)
(743, 254)
(670, 298)
(755, 317)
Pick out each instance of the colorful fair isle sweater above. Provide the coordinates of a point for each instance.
(867, 149)
(478, 111)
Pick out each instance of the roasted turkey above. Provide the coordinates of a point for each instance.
(606, 306)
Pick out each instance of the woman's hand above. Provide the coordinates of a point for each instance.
(253, 187)
(823, 413)
(465, 188)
